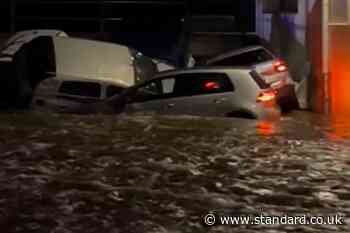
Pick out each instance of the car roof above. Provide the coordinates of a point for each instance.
(237, 51)
(104, 81)
(205, 69)
(102, 60)
(198, 69)
(17, 40)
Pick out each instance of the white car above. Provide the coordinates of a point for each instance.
(271, 68)
(65, 94)
(15, 42)
(225, 92)
(61, 57)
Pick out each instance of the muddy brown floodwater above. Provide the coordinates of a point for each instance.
(145, 173)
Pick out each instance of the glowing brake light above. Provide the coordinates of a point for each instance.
(211, 86)
(280, 66)
(266, 96)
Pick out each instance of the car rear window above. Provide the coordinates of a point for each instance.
(199, 84)
(261, 82)
(245, 59)
(86, 89)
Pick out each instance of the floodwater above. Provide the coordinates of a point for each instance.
(146, 173)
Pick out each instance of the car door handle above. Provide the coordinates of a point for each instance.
(171, 105)
(219, 101)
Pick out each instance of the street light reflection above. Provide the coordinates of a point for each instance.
(339, 127)
(266, 128)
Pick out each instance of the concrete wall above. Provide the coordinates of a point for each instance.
(297, 39)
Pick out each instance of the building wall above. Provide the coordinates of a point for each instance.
(339, 59)
(296, 38)
(315, 84)
(340, 69)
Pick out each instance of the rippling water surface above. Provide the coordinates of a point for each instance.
(146, 173)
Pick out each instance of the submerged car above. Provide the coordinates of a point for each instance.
(65, 94)
(89, 71)
(58, 56)
(226, 92)
(272, 69)
(14, 65)
(15, 42)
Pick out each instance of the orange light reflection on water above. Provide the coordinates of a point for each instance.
(266, 128)
(340, 78)
(340, 127)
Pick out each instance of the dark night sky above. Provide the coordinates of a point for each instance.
(4, 15)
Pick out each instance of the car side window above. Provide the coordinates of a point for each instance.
(245, 59)
(83, 89)
(202, 84)
(112, 90)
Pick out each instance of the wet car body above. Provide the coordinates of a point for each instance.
(15, 42)
(98, 60)
(67, 94)
(224, 92)
(273, 70)
(31, 57)
(14, 65)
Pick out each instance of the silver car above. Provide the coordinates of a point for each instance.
(271, 68)
(230, 92)
(67, 94)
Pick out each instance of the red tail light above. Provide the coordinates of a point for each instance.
(277, 67)
(280, 66)
(211, 86)
(266, 96)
